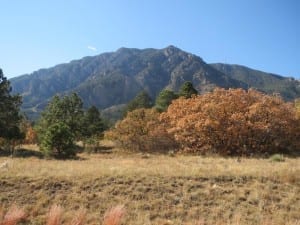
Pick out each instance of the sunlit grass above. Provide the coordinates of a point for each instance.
(155, 189)
(134, 164)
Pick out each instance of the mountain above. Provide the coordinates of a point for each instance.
(112, 79)
(288, 88)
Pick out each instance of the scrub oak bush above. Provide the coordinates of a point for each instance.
(141, 130)
(233, 122)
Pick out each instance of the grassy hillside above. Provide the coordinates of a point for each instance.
(156, 189)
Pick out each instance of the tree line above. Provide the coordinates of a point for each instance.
(62, 123)
(226, 122)
(232, 122)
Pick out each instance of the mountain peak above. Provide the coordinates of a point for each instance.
(171, 50)
(124, 49)
(172, 47)
(127, 71)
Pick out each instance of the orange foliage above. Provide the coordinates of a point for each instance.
(297, 105)
(141, 130)
(30, 136)
(233, 122)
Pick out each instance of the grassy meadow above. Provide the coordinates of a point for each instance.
(154, 189)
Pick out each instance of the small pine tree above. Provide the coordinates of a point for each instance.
(65, 113)
(92, 130)
(141, 100)
(187, 90)
(93, 123)
(58, 141)
(164, 99)
(67, 109)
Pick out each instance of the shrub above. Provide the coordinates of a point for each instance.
(141, 130)
(277, 158)
(234, 122)
(58, 141)
(297, 106)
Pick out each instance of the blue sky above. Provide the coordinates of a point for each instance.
(261, 34)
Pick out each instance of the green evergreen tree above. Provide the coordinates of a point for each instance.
(67, 114)
(10, 116)
(93, 127)
(58, 141)
(93, 123)
(67, 109)
(187, 90)
(141, 100)
(164, 99)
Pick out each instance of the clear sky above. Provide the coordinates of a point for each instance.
(261, 34)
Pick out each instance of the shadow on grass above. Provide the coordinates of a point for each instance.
(21, 153)
(99, 149)
(27, 153)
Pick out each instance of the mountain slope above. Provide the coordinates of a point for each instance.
(115, 78)
(269, 83)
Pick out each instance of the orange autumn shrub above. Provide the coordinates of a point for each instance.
(297, 106)
(141, 130)
(30, 136)
(233, 122)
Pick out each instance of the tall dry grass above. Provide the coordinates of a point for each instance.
(13, 215)
(114, 216)
(79, 218)
(54, 215)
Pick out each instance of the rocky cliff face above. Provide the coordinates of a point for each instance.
(115, 78)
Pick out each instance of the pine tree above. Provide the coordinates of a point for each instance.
(67, 109)
(66, 115)
(93, 123)
(187, 90)
(58, 141)
(10, 116)
(164, 99)
(141, 100)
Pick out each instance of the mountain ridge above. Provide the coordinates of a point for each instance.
(114, 78)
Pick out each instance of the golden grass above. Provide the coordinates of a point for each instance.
(129, 165)
(157, 189)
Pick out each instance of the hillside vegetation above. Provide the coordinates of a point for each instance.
(226, 122)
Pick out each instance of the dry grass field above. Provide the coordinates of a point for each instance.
(155, 189)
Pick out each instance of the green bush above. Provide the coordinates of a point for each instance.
(277, 158)
(58, 141)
